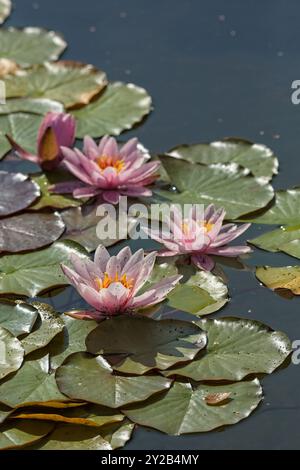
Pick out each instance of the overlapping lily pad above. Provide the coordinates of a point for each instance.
(117, 434)
(48, 199)
(258, 158)
(32, 384)
(30, 45)
(28, 232)
(17, 317)
(81, 226)
(22, 127)
(90, 415)
(85, 377)
(50, 325)
(137, 345)
(70, 83)
(31, 273)
(226, 187)
(284, 210)
(11, 353)
(68, 437)
(236, 348)
(31, 105)
(70, 340)
(119, 107)
(5, 9)
(17, 193)
(193, 413)
(285, 277)
(15, 435)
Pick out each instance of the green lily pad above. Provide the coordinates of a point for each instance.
(22, 127)
(72, 437)
(193, 413)
(28, 232)
(31, 273)
(70, 340)
(31, 105)
(5, 412)
(90, 415)
(224, 186)
(199, 293)
(16, 317)
(119, 107)
(68, 82)
(236, 348)
(258, 158)
(15, 435)
(17, 193)
(51, 324)
(138, 344)
(47, 199)
(81, 227)
(5, 9)
(30, 45)
(11, 353)
(85, 377)
(32, 384)
(284, 210)
(285, 277)
(118, 434)
(274, 240)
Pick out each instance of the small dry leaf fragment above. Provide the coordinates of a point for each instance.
(217, 398)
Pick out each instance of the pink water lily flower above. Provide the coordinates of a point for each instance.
(112, 284)
(200, 235)
(108, 170)
(56, 130)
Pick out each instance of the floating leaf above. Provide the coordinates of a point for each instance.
(5, 411)
(30, 45)
(91, 415)
(31, 105)
(68, 437)
(17, 192)
(286, 277)
(68, 82)
(70, 340)
(51, 324)
(16, 435)
(224, 186)
(199, 293)
(47, 199)
(276, 239)
(284, 210)
(81, 226)
(27, 232)
(31, 273)
(118, 434)
(18, 318)
(193, 414)
(11, 353)
(85, 377)
(258, 158)
(119, 107)
(5, 9)
(32, 384)
(22, 128)
(138, 345)
(236, 348)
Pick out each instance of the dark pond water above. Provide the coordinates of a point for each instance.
(214, 68)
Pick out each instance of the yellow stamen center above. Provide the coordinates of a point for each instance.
(108, 162)
(185, 228)
(207, 226)
(107, 281)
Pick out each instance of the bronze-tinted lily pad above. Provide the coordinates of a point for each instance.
(285, 277)
(17, 192)
(28, 232)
